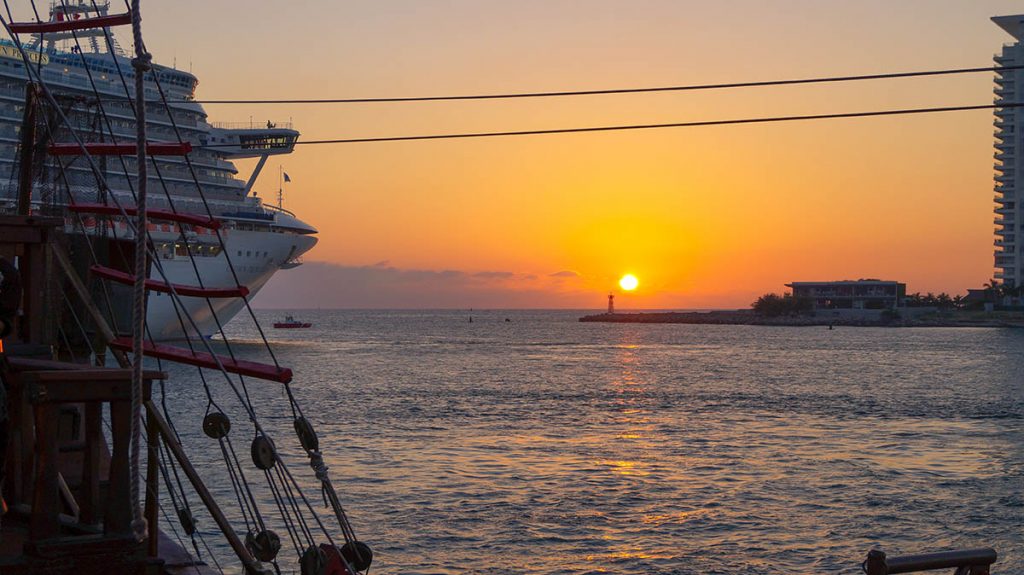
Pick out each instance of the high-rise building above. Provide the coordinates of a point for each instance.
(1009, 253)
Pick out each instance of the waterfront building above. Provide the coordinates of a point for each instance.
(1009, 122)
(852, 294)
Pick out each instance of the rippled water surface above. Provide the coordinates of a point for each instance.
(542, 445)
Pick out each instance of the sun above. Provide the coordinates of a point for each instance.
(629, 282)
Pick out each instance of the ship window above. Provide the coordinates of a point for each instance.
(248, 254)
(239, 253)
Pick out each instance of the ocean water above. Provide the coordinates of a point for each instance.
(541, 445)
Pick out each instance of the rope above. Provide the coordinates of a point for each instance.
(286, 489)
(142, 63)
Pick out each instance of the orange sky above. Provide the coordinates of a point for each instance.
(705, 217)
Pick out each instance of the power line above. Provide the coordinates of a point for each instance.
(651, 126)
(686, 88)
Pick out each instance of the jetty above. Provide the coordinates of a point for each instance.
(749, 317)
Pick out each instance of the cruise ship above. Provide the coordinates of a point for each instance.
(91, 77)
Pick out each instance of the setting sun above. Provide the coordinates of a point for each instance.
(629, 282)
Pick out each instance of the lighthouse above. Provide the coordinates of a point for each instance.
(611, 303)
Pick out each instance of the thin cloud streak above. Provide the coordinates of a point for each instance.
(327, 285)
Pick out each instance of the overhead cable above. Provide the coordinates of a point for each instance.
(774, 119)
(685, 88)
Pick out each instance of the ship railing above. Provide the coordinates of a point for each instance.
(251, 125)
(274, 208)
(966, 562)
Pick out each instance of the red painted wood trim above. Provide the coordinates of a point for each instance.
(107, 210)
(69, 25)
(101, 149)
(164, 287)
(206, 360)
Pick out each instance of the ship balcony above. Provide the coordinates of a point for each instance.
(1004, 198)
(1005, 112)
(1004, 233)
(1004, 156)
(1007, 146)
(1007, 245)
(1005, 222)
(1006, 169)
(1006, 211)
(1002, 60)
(1006, 274)
(1004, 78)
(1007, 176)
(1004, 135)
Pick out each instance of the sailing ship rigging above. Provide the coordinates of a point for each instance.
(83, 172)
(89, 78)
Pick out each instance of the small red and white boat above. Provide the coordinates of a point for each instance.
(291, 323)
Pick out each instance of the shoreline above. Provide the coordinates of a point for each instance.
(746, 317)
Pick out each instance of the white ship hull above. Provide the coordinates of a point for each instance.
(255, 257)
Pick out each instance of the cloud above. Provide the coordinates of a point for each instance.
(565, 274)
(494, 275)
(321, 284)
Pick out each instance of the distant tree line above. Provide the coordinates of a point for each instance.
(941, 301)
(775, 305)
(999, 291)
